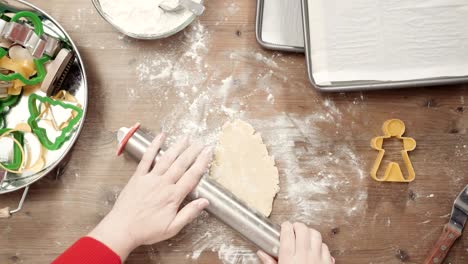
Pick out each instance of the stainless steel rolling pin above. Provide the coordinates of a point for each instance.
(223, 204)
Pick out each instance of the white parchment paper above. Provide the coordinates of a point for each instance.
(389, 40)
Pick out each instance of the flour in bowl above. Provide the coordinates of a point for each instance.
(145, 16)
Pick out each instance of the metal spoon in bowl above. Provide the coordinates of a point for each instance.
(177, 5)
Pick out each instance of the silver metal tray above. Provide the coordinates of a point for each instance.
(288, 12)
(365, 85)
(75, 84)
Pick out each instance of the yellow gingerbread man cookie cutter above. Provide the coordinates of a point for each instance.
(393, 128)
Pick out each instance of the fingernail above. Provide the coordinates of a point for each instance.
(203, 203)
(333, 260)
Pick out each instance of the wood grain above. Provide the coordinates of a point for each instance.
(321, 138)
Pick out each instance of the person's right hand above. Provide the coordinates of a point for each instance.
(299, 245)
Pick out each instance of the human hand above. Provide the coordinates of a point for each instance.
(299, 245)
(147, 209)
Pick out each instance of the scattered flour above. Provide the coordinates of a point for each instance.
(267, 61)
(271, 98)
(162, 68)
(309, 176)
(233, 8)
(259, 57)
(226, 246)
(197, 39)
(226, 86)
(204, 97)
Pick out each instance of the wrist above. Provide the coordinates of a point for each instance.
(113, 233)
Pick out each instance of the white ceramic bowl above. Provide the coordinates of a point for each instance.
(168, 33)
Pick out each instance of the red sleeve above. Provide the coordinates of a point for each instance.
(88, 250)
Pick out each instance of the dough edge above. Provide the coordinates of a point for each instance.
(243, 149)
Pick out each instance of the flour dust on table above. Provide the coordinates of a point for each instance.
(183, 68)
(204, 97)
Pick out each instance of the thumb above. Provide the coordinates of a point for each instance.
(187, 214)
(265, 258)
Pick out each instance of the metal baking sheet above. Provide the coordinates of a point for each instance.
(364, 85)
(75, 83)
(279, 25)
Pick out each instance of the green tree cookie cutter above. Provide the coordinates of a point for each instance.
(8, 101)
(15, 164)
(38, 63)
(41, 133)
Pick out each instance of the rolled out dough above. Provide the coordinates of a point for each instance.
(243, 166)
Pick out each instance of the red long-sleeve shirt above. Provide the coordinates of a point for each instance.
(88, 250)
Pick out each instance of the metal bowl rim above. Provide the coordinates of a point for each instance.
(176, 30)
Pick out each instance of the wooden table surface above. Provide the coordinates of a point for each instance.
(213, 72)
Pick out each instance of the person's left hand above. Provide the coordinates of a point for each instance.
(147, 209)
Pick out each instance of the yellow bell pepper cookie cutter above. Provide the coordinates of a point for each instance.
(40, 162)
(25, 163)
(393, 128)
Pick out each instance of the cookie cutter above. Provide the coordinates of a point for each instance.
(57, 70)
(34, 39)
(393, 128)
(5, 106)
(41, 133)
(17, 160)
(38, 63)
(7, 102)
(29, 38)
